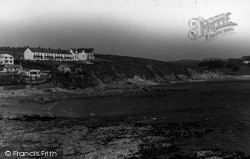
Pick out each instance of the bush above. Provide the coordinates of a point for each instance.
(236, 68)
(230, 65)
(211, 64)
(12, 79)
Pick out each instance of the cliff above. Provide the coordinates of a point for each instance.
(108, 69)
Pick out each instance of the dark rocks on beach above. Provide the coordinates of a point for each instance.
(108, 137)
(45, 99)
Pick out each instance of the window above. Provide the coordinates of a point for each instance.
(34, 73)
(10, 61)
(5, 57)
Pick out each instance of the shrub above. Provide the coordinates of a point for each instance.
(235, 68)
(211, 64)
(230, 65)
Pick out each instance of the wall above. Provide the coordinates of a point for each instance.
(82, 56)
(28, 54)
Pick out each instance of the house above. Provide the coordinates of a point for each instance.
(12, 68)
(47, 54)
(6, 59)
(82, 54)
(246, 62)
(64, 68)
(33, 73)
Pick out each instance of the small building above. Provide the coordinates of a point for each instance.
(83, 54)
(246, 62)
(33, 73)
(12, 68)
(64, 68)
(6, 59)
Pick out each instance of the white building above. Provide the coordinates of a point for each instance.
(47, 54)
(246, 62)
(80, 54)
(6, 59)
(33, 73)
(83, 54)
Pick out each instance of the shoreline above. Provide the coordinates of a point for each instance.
(55, 95)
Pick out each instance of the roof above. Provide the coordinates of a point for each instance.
(49, 50)
(64, 65)
(5, 55)
(86, 50)
(34, 70)
(13, 66)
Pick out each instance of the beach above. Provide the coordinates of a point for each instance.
(175, 120)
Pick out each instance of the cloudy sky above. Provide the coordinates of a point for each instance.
(155, 29)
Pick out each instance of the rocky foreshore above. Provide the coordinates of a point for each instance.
(110, 138)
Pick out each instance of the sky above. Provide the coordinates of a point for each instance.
(156, 29)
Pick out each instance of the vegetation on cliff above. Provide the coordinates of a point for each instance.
(110, 68)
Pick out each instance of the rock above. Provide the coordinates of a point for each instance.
(214, 157)
(29, 137)
(119, 149)
(166, 145)
(203, 153)
(68, 150)
(153, 139)
(128, 136)
(45, 99)
(119, 142)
